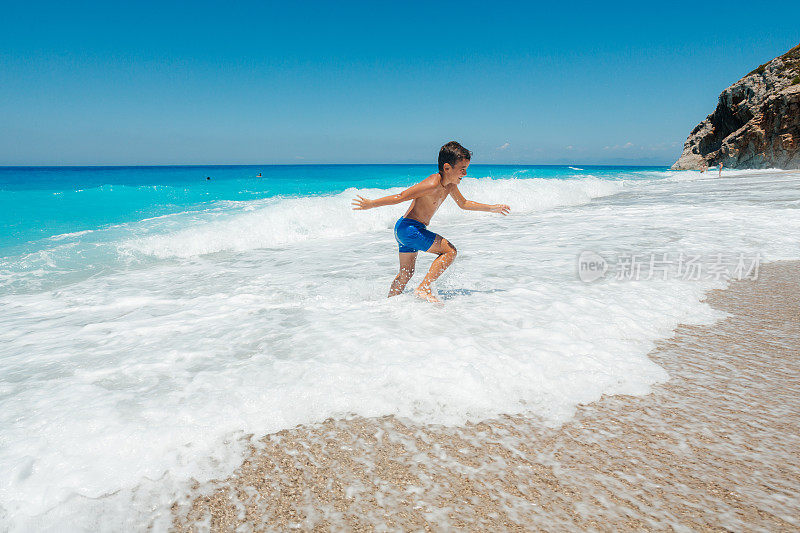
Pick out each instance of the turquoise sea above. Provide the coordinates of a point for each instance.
(41, 202)
(152, 320)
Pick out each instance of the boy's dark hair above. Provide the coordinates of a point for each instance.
(452, 153)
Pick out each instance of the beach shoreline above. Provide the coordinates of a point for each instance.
(714, 448)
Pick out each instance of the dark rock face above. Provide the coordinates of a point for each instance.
(756, 123)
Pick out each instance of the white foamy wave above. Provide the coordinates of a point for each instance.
(241, 226)
(74, 234)
(712, 173)
(536, 194)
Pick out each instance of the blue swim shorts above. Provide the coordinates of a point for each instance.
(412, 235)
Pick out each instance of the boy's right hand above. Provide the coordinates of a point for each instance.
(361, 203)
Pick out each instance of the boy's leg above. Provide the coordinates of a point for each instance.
(407, 262)
(447, 254)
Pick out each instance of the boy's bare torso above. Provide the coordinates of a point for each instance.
(423, 208)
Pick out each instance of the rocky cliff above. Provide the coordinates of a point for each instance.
(756, 123)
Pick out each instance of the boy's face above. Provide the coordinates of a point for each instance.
(456, 172)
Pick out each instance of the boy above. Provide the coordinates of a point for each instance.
(410, 231)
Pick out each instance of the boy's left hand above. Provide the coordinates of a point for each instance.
(503, 209)
(361, 203)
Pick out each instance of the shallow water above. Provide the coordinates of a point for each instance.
(141, 344)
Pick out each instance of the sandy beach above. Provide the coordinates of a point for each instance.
(715, 448)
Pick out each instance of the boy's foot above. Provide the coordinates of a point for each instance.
(427, 295)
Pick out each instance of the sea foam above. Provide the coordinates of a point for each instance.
(241, 226)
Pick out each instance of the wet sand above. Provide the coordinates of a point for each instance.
(715, 448)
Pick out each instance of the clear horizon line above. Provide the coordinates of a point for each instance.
(158, 165)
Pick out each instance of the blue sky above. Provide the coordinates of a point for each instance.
(371, 82)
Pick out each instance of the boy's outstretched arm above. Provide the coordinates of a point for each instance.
(422, 188)
(469, 205)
